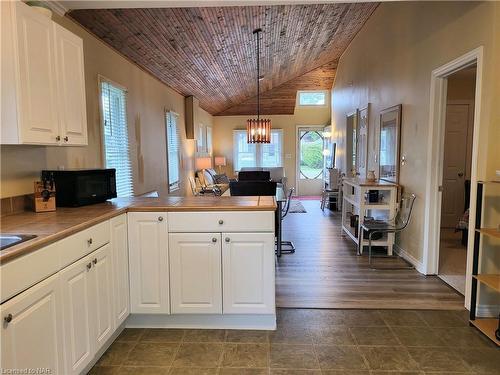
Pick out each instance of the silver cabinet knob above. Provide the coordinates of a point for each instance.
(8, 318)
(221, 222)
(94, 261)
(66, 139)
(160, 218)
(89, 266)
(214, 239)
(89, 241)
(58, 138)
(228, 239)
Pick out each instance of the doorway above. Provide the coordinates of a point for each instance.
(310, 160)
(456, 180)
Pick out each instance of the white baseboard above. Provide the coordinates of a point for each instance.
(419, 266)
(199, 321)
(487, 311)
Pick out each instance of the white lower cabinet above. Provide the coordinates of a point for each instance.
(87, 290)
(119, 246)
(148, 260)
(195, 273)
(248, 273)
(32, 330)
(77, 306)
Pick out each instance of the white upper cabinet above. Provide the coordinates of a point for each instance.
(31, 333)
(195, 273)
(248, 269)
(43, 87)
(148, 260)
(70, 87)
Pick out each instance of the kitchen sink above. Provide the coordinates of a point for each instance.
(8, 240)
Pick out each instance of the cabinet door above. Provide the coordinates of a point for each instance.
(76, 293)
(148, 259)
(119, 245)
(101, 295)
(195, 273)
(33, 336)
(37, 110)
(248, 270)
(70, 87)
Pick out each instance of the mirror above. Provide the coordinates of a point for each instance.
(390, 135)
(351, 143)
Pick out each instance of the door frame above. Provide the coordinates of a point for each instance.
(297, 152)
(435, 152)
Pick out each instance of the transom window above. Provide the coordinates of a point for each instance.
(257, 154)
(115, 129)
(312, 98)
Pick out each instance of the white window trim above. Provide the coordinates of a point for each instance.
(177, 186)
(100, 80)
(258, 152)
(312, 105)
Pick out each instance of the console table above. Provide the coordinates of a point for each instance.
(356, 202)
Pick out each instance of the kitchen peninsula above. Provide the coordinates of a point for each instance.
(183, 262)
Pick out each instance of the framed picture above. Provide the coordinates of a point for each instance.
(389, 145)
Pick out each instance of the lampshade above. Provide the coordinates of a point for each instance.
(203, 163)
(220, 161)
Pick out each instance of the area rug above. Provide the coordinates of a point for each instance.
(296, 207)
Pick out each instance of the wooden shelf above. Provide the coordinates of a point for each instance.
(351, 201)
(493, 281)
(492, 232)
(488, 327)
(347, 230)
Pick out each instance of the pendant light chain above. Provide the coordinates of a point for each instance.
(258, 130)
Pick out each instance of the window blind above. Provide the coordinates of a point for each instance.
(116, 145)
(173, 150)
(255, 154)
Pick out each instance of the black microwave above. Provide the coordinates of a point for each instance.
(80, 187)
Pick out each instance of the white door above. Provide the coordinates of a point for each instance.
(458, 117)
(32, 329)
(195, 273)
(148, 260)
(37, 77)
(310, 161)
(101, 295)
(248, 270)
(119, 245)
(70, 87)
(77, 310)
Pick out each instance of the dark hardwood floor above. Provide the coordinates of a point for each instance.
(325, 272)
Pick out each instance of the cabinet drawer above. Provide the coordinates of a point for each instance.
(84, 242)
(222, 221)
(41, 264)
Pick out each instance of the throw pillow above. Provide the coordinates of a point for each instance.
(221, 179)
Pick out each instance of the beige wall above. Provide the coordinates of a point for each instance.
(147, 99)
(224, 126)
(390, 62)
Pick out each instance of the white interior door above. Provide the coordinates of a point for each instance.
(309, 160)
(458, 117)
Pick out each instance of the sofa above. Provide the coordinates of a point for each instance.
(277, 174)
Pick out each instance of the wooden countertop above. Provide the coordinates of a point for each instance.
(50, 227)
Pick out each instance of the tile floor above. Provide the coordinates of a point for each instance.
(312, 342)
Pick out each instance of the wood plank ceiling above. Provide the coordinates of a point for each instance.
(210, 52)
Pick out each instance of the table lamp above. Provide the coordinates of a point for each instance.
(203, 163)
(220, 161)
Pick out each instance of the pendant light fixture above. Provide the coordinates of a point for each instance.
(258, 130)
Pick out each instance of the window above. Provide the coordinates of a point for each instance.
(312, 98)
(173, 150)
(116, 146)
(257, 154)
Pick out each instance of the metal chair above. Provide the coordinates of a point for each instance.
(284, 212)
(395, 225)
